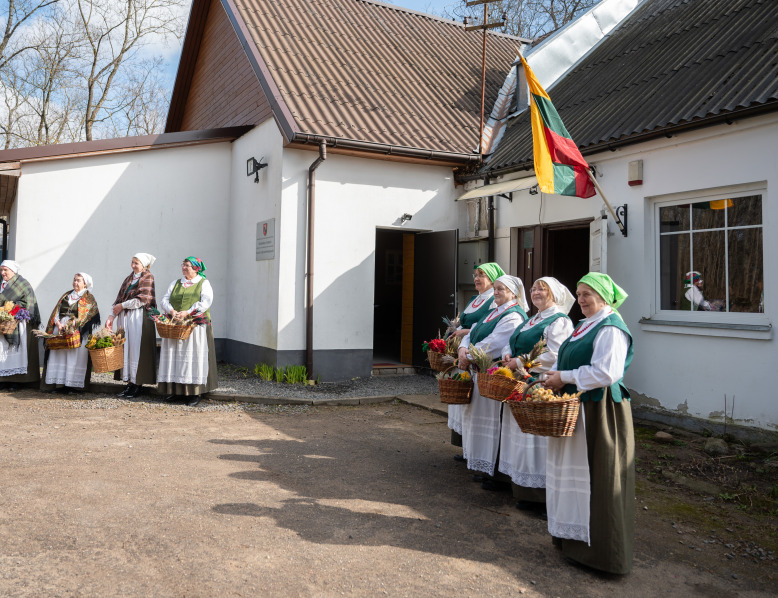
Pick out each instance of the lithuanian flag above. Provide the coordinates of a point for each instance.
(559, 166)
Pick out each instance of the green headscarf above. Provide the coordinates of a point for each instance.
(491, 269)
(612, 293)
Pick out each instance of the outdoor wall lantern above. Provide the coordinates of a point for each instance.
(405, 218)
(253, 167)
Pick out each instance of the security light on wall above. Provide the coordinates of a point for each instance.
(253, 167)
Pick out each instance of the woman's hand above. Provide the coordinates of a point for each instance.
(463, 361)
(510, 362)
(553, 381)
(117, 309)
(109, 323)
(461, 333)
(178, 315)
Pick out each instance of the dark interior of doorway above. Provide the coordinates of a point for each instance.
(567, 259)
(387, 302)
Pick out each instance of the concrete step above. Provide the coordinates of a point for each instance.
(398, 369)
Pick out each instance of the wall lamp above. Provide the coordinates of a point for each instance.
(405, 218)
(253, 167)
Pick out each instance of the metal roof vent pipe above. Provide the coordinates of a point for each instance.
(309, 259)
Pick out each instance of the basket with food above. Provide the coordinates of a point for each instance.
(176, 328)
(67, 337)
(10, 316)
(542, 412)
(455, 386)
(106, 349)
(499, 382)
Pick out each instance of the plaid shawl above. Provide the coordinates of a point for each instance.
(144, 290)
(88, 314)
(20, 292)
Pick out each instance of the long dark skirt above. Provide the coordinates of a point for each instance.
(147, 358)
(188, 390)
(610, 443)
(33, 362)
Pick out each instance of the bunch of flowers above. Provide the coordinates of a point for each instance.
(438, 345)
(12, 311)
(530, 360)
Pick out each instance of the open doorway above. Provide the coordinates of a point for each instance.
(415, 286)
(560, 250)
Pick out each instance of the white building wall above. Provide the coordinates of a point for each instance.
(354, 197)
(93, 213)
(686, 369)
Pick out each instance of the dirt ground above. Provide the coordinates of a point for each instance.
(146, 499)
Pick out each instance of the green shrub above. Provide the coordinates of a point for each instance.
(296, 374)
(264, 371)
(279, 374)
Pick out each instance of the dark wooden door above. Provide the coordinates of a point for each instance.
(434, 286)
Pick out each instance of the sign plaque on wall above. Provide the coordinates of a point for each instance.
(266, 239)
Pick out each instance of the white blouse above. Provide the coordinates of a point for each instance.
(206, 297)
(610, 351)
(502, 331)
(132, 303)
(555, 334)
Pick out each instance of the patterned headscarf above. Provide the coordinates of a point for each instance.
(691, 278)
(491, 269)
(197, 264)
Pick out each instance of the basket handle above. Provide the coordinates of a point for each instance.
(526, 390)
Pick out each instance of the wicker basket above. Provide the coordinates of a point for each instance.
(437, 362)
(546, 418)
(70, 341)
(107, 359)
(498, 387)
(174, 331)
(455, 392)
(8, 326)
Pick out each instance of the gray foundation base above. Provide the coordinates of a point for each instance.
(331, 365)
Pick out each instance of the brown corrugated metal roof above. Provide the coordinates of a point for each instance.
(373, 72)
(672, 64)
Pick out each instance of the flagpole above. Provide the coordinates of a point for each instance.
(607, 203)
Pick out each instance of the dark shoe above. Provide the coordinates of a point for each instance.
(459, 458)
(193, 401)
(495, 486)
(557, 542)
(124, 392)
(479, 477)
(133, 391)
(526, 505)
(12, 387)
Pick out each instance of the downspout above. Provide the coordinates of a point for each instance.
(491, 230)
(309, 290)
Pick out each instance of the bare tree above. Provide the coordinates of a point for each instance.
(19, 13)
(114, 33)
(525, 18)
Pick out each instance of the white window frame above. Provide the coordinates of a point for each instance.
(754, 325)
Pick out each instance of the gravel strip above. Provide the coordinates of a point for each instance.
(234, 380)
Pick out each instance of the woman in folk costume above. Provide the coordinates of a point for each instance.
(68, 369)
(481, 417)
(136, 296)
(187, 368)
(478, 306)
(523, 456)
(590, 477)
(19, 362)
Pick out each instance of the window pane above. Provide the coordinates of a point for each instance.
(708, 258)
(673, 218)
(674, 263)
(746, 289)
(708, 214)
(745, 211)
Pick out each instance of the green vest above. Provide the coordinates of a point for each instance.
(483, 328)
(577, 354)
(471, 319)
(181, 299)
(522, 342)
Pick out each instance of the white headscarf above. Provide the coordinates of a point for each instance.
(12, 265)
(562, 296)
(87, 280)
(516, 287)
(145, 258)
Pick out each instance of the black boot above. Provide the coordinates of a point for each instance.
(125, 391)
(133, 392)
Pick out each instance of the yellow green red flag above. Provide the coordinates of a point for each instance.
(559, 165)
